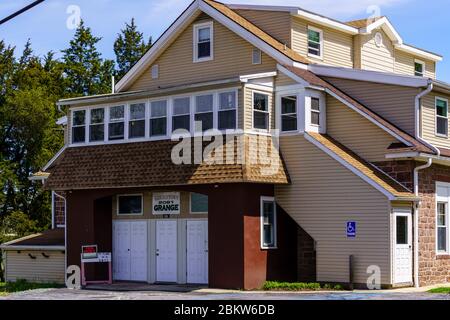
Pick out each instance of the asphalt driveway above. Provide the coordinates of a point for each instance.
(67, 294)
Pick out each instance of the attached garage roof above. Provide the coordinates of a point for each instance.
(147, 164)
(49, 238)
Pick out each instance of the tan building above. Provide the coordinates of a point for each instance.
(357, 192)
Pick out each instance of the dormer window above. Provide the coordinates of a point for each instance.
(419, 68)
(441, 117)
(79, 126)
(315, 42)
(116, 123)
(315, 112)
(203, 42)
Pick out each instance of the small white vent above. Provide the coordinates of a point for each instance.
(155, 71)
(256, 56)
(379, 39)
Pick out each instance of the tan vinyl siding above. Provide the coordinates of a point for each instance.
(428, 126)
(356, 132)
(277, 24)
(337, 46)
(283, 80)
(248, 108)
(48, 270)
(404, 64)
(377, 58)
(394, 103)
(232, 57)
(323, 196)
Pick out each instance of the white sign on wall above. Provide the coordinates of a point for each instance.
(166, 203)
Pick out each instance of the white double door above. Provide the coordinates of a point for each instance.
(130, 250)
(197, 252)
(403, 263)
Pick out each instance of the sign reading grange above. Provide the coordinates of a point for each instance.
(166, 203)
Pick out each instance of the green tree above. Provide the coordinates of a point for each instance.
(129, 47)
(86, 73)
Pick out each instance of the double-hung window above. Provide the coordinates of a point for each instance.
(441, 117)
(79, 126)
(289, 113)
(117, 123)
(442, 227)
(419, 68)
(227, 110)
(203, 42)
(181, 114)
(315, 111)
(204, 112)
(260, 111)
(158, 118)
(97, 125)
(315, 42)
(268, 223)
(136, 124)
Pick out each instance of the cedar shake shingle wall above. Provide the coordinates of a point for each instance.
(150, 164)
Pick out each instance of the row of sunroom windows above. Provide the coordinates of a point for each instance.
(155, 118)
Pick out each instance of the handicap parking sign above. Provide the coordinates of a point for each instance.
(351, 229)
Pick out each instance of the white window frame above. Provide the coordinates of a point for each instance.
(321, 128)
(437, 116)
(190, 114)
(196, 29)
(442, 199)
(423, 67)
(125, 120)
(169, 116)
(320, 31)
(146, 122)
(97, 124)
(129, 195)
(258, 52)
(86, 125)
(190, 203)
(194, 111)
(287, 114)
(261, 215)
(268, 94)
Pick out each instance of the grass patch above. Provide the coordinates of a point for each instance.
(445, 290)
(299, 286)
(23, 285)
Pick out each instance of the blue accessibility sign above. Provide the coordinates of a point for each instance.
(351, 229)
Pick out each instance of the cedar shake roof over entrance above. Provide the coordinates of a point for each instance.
(148, 164)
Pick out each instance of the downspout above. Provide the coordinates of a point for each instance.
(416, 179)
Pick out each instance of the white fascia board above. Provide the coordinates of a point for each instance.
(56, 156)
(324, 21)
(159, 45)
(247, 77)
(419, 53)
(246, 35)
(292, 75)
(360, 174)
(369, 76)
(386, 25)
(402, 155)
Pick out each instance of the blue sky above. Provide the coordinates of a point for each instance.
(46, 24)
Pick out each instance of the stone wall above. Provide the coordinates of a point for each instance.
(433, 269)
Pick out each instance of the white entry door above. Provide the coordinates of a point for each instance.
(121, 251)
(166, 251)
(130, 250)
(197, 252)
(403, 246)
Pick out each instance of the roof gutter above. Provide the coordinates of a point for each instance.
(416, 179)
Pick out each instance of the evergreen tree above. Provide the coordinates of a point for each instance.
(129, 47)
(86, 73)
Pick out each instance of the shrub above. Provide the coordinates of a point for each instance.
(298, 286)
